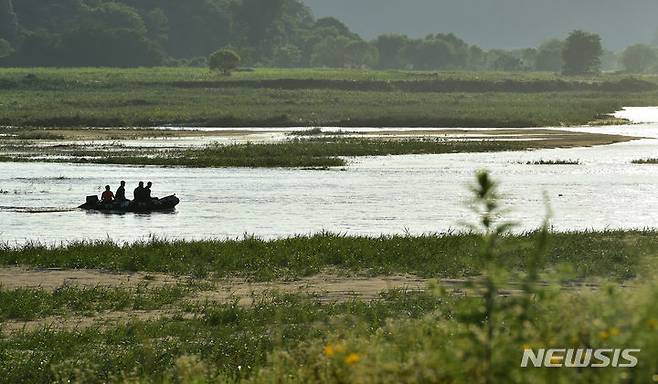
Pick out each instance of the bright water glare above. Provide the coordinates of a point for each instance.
(372, 196)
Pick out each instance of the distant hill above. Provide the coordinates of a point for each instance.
(499, 23)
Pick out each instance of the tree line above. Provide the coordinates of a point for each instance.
(279, 33)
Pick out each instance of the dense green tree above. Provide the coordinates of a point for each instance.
(437, 51)
(582, 53)
(157, 26)
(287, 55)
(8, 21)
(528, 57)
(477, 58)
(501, 60)
(549, 56)
(37, 48)
(5, 48)
(361, 54)
(256, 18)
(224, 60)
(611, 61)
(341, 51)
(639, 58)
(335, 24)
(187, 29)
(316, 34)
(429, 54)
(92, 46)
(390, 47)
(331, 52)
(54, 16)
(113, 16)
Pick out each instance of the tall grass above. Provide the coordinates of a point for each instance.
(613, 254)
(32, 303)
(99, 97)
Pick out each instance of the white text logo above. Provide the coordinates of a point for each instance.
(579, 358)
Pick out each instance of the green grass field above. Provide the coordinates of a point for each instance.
(269, 97)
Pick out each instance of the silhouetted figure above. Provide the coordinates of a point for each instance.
(121, 192)
(147, 192)
(107, 196)
(139, 192)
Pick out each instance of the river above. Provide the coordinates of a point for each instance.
(372, 196)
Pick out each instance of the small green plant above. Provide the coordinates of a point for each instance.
(224, 60)
(486, 204)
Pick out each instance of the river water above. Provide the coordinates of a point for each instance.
(372, 196)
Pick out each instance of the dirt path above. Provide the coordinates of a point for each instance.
(326, 287)
(50, 279)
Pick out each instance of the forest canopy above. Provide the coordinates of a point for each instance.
(279, 33)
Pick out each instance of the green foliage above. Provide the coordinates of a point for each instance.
(224, 60)
(30, 304)
(549, 56)
(283, 33)
(390, 49)
(8, 22)
(613, 254)
(5, 48)
(582, 53)
(504, 61)
(342, 52)
(640, 58)
(437, 51)
(120, 47)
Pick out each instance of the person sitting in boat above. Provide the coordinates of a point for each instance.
(147, 192)
(107, 197)
(121, 192)
(139, 192)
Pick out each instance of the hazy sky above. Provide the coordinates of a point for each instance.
(499, 23)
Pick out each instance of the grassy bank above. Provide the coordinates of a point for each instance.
(350, 98)
(617, 255)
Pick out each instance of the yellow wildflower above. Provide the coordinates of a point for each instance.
(614, 331)
(352, 358)
(655, 378)
(604, 335)
(652, 323)
(329, 350)
(525, 346)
